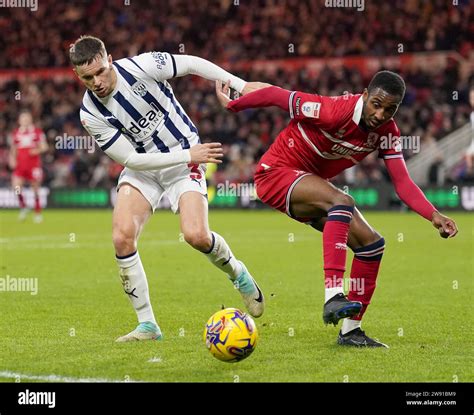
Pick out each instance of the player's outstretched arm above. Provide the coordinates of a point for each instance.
(414, 198)
(262, 96)
(254, 86)
(123, 152)
(223, 90)
(187, 64)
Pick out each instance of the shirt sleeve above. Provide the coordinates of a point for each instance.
(406, 189)
(187, 64)
(314, 108)
(119, 148)
(390, 145)
(104, 134)
(40, 136)
(159, 65)
(123, 152)
(264, 97)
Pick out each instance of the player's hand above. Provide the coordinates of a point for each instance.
(447, 227)
(254, 86)
(223, 93)
(206, 153)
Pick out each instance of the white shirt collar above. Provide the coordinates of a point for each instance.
(358, 110)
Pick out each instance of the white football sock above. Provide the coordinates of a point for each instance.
(331, 292)
(349, 325)
(136, 286)
(223, 258)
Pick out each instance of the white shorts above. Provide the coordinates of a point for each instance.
(171, 181)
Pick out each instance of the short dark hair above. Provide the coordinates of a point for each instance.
(85, 49)
(388, 81)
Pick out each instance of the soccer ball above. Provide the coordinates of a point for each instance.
(230, 335)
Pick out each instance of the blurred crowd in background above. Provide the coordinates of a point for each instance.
(230, 30)
(223, 32)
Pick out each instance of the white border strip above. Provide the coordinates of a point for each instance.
(290, 104)
(313, 146)
(290, 190)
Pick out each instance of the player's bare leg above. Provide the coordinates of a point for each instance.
(36, 186)
(131, 212)
(17, 185)
(193, 210)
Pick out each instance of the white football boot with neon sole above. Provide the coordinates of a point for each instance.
(144, 331)
(251, 294)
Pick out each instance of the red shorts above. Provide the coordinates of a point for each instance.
(30, 173)
(274, 185)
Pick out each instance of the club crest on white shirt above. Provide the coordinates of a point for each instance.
(139, 89)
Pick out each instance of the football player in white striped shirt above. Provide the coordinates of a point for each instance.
(131, 111)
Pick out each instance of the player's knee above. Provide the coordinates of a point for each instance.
(343, 199)
(375, 237)
(199, 239)
(371, 238)
(124, 241)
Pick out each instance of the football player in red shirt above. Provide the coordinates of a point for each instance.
(325, 136)
(27, 145)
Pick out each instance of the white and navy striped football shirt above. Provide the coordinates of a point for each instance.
(142, 107)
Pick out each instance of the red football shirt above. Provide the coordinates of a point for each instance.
(324, 136)
(26, 140)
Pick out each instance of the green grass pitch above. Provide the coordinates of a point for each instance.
(422, 306)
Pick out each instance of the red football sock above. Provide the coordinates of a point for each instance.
(335, 234)
(365, 267)
(37, 204)
(21, 200)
